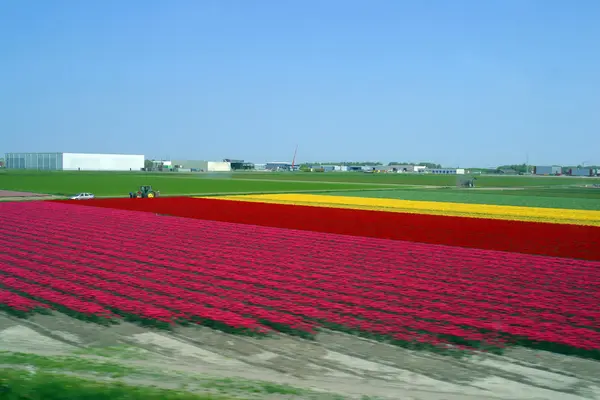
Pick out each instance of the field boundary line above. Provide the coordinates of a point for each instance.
(211, 194)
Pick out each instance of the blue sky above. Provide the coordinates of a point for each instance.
(458, 82)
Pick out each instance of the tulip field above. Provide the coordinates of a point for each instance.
(251, 267)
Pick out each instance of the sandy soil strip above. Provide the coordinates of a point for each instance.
(11, 193)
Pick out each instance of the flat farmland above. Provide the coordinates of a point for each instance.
(298, 295)
(420, 179)
(278, 312)
(115, 184)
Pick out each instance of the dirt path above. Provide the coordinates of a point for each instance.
(334, 364)
(10, 195)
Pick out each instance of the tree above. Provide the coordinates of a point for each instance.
(520, 168)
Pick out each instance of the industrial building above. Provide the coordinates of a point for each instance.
(406, 168)
(237, 165)
(160, 165)
(547, 170)
(447, 171)
(278, 166)
(581, 172)
(201, 166)
(329, 168)
(75, 161)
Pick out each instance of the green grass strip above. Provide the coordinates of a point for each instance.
(24, 385)
(64, 363)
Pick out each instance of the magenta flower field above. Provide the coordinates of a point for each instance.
(106, 265)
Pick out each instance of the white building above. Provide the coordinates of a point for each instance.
(202, 165)
(406, 168)
(75, 161)
(447, 171)
(216, 166)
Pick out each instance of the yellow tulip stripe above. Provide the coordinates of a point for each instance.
(548, 215)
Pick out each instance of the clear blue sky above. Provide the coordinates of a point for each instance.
(458, 82)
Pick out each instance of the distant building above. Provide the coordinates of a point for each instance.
(278, 166)
(75, 161)
(329, 168)
(201, 166)
(237, 165)
(446, 171)
(581, 172)
(408, 168)
(161, 165)
(547, 170)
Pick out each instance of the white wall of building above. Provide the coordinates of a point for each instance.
(102, 162)
(450, 171)
(218, 166)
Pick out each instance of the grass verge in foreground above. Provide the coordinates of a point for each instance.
(57, 365)
(65, 363)
(21, 385)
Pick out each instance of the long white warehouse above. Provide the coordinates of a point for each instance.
(75, 161)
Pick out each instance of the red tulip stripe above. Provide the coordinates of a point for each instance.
(572, 241)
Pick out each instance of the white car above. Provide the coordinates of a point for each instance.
(83, 196)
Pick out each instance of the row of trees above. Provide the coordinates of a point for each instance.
(347, 163)
(374, 163)
(427, 164)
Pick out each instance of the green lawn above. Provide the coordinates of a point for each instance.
(558, 192)
(571, 198)
(77, 377)
(120, 184)
(417, 179)
(22, 385)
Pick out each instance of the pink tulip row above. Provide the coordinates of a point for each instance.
(363, 307)
(19, 303)
(54, 296)
(545, 290)
(170, 296)
(467, 262)
(246, 276)
(219, 270)
(434, 301)
(586, 313)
